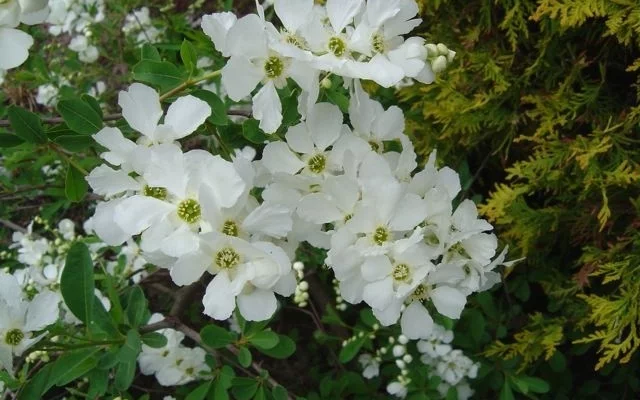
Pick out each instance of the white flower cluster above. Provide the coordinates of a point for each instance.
(138, 24)
(350, 38)
(15, 44)
(449, 364)
(173, 364)
(75, 17)
(301, 294)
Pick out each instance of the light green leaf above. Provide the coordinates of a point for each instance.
(80, 116)
(284, 349)
(264, 339)
(216, 336)
(159, 73)
(188, 56)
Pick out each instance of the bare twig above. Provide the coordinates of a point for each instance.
(12, 226)
(58, 120)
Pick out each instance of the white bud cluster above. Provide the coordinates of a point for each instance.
(36, 356)
(301, 294)
(439, 56)
(341, 305)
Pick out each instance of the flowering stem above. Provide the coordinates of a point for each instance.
(190, 82)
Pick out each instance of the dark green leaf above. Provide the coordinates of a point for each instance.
(73, 365)
(159, 73)
(131, 348)
(285, 348)
(9, 140)
(216, 336)
(244, 356)
(102, 320)
(199, 393)
(253, 133)
(506, 393)
(244, 388)
(218, 109)
(38, 385)
(264, 339)
(148, 52)
(558, 362)
(76, 283)
(136, 307)
(188, 56)
(80, 116)
(279, 393)
(98, 382)
(27, 125)
(154, 339)
(125, 372)
(90, 100)
(74, 143)
(533, 384)
(75, 186)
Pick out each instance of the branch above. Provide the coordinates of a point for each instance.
(12, 226)
(4, 123)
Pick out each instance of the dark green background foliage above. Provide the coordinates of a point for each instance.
(541, 113)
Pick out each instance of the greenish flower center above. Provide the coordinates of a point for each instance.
(189, 211)
(294, 40)
(380, 235)
(377, 43)
(273, 67)
(230, 228)
(14, 337)
(337, 46)
(227, 258)
(317, 163)
(348, 217)
(374, 146)
(401, 272)
(432, 239)
(159, 193)
(420, 292)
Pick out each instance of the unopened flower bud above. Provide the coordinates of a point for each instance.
(407, 358)
(402, 339)
(439, 64)
(400, 364)
(432, 50)
(326, 83)
(442, 49)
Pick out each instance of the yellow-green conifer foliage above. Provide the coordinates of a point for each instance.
(548, 91)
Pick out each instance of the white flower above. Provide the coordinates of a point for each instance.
(67, 228)
(370, 365)
(20, 318)
(15, 44)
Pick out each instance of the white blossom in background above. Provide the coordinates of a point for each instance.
(14, 43)
(75, 18)
(138, 24)
(86, 53)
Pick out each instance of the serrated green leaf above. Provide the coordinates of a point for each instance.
(26, 125)
(80, 116)
(76, 282)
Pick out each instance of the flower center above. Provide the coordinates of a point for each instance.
(230, 228)
(294, 40)
(337, 46)
(380, 235)
(401, 272)
(420, 292)
(375, 146)
(189, 211)
(14, 337)
(348, 217)
(377, 43)
(317, 163)
(273, 67)
(159, 193)
(227, 258)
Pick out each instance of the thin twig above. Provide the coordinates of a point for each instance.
(4, 123)
(13, 226)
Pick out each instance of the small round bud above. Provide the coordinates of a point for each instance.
(304, 285)
(399, 350)
(432, 50)
(392, 340)
(402, 339)
(439, 64)
(451, 55)
(326, 83)
(383, 350)
(400, 364)
(407, 358)
(442, 49)
(298, 265)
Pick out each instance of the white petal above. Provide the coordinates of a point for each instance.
(298, 139)
(448, 301)
(379, 294)
(247, 38)
(342, 12)
(137, 213)
(227, 191)
(379, 11)
(179, 242)
(216, 26)
(416, 322)
(286, 285)
(410, 212)
(277, 157)
(450, 180)
(106, 181)
(240, 77)
(390, 124)
(189, 268)
(259, 305)
(324, 123)
(389, 315)
(218, 300)
(119, 146)
(14, 47)
(318, 208)
(10, 290)
(375, 268)
(141, 108)
(186, 114)
(293, 13)
(269, 219)
(267, 108)
(43, 311)
(105, 226)
(382, 71)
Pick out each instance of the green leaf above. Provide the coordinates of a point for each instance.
(264, 339)
(339, 99)
(76, 282)
(38, 385)
(73, 365)
(8, 140)
(98, 382)
(131, 348)
(558, 362)
(477, 325)
(74, 143)
(188, 56)
(244, 388)
(102, 320)
(148, 52)
(154, 339)
(27, 125)
(199, 393)
(351, 349)
(279, 393)
(125, 373)
(218, 108)
(80, 116)
(219, 392)
(253, 133)
(533, 384)
(285, 348)
(136, 307)
(159, 73)
(506, 393)
(216, 336)
(261, 394)
(244, 356)
(75, 186)
(90, 100)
